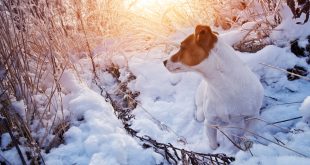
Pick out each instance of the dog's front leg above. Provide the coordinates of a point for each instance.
(199, 114)
(200, 102)
(212, 135)
(237, 133)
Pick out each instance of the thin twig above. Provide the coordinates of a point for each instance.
(285, 71)
(234, 143)
(15, 142)
(281, 121)
(255, 134)
(295, 102)
(5, 160)
(158, 122)
(268, 123)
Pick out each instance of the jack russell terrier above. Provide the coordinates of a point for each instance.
(229, 94)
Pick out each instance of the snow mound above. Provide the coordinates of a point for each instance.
(305, 109)
(96, 136)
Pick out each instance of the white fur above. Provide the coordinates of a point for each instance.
(232, 93)
(229, 93)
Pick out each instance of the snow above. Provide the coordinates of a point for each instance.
(5, 140)
(119, 61)
(19, 107)
(99, 137)
(170, 98)
(288, 30)
(305, 109)
(166, 112)
(233, 36)
(166, 107)
(11, 155)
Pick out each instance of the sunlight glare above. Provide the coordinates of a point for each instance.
(149, 6)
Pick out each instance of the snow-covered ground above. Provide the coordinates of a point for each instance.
(96, 136)
(170, 98)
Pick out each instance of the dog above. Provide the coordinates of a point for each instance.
(230, 94)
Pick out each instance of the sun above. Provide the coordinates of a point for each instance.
(145, 6)
(150, 3)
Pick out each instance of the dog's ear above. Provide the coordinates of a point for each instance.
(204, 36)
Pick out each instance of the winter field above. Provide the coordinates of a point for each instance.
(111, 100)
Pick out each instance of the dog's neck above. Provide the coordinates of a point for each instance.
(222, 64)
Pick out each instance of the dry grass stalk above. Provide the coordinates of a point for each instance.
(262, 137)
(285, 71)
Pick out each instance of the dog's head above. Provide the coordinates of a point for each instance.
(193, 50)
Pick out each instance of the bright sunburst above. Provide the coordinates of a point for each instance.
(151, 5)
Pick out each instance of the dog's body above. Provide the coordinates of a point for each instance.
(229, 94)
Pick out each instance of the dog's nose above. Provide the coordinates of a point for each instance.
(165, 62)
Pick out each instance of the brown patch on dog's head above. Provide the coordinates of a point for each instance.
(196, 47)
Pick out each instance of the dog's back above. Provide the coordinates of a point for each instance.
(233, 90)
